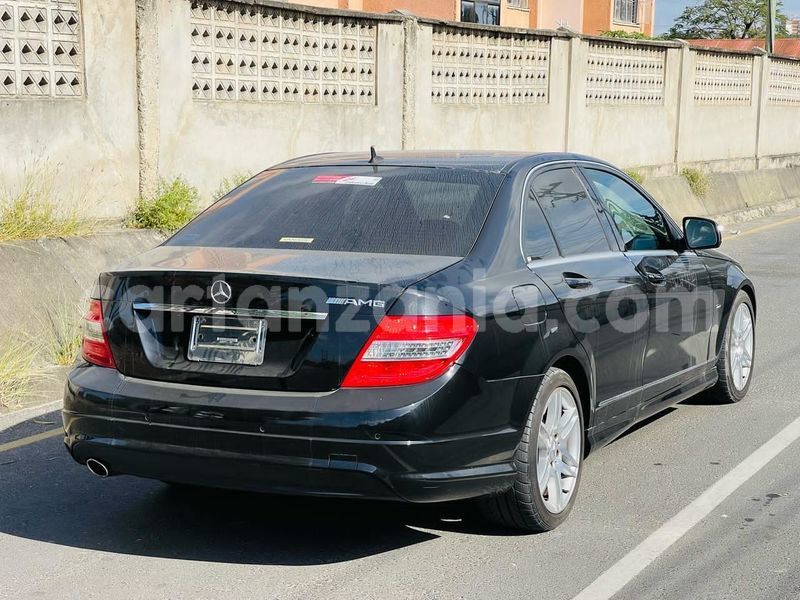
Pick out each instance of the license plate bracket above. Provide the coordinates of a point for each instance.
(231, 340)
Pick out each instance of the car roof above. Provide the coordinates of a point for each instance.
(494, 162)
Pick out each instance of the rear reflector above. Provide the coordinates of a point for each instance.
(411, 349)
(95, 346)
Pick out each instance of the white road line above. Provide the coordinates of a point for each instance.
(633, 563)
(32, 439)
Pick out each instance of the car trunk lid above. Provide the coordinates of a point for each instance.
(315, 309)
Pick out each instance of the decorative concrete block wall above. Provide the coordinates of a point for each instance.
(623, 74)
(242, 86)
(263, 54)
(723, 79)
(68, 102)
(41, 52)
(784, 82)
(474, 67)
(116, 96)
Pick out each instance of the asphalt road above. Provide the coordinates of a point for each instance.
(66, 534)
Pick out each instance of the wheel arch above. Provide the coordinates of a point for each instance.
(742, 285)
(580, 374)
(748, 288)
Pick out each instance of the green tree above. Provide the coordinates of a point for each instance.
(625, 35)
(731, 19)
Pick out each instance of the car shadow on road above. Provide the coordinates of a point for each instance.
(701, 399)
(644, 423)
(48, 497)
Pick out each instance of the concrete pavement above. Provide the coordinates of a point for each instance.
(65, 534)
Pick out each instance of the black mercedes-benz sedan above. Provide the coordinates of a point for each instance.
(416, 326)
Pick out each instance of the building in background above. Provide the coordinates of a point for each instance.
(593, 17)
(793, 26)
(633, 16)
(585, 16)
(508, 13)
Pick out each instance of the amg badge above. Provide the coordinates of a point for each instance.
(357, 302)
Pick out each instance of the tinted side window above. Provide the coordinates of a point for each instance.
(570, 212)
(642, 227)
(537, 240)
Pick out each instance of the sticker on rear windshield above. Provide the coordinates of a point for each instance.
(296, 240)
(348, 180)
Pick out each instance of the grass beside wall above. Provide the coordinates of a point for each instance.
(18, 371)
(30, 213)
(698, 181)
(636, 175)
(174, 204)
(63, 333)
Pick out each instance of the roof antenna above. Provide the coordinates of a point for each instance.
(373, 156)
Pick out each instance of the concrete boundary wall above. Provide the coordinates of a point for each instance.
(85, 142)
(205, 89)
(54, 276)
(732, 196)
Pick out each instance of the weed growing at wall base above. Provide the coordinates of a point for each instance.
(698, 181)
(18, 371)
(30, 213)
(637, 176)
(174, 205)
(64, 333)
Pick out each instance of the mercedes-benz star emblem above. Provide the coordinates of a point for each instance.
(221, 292)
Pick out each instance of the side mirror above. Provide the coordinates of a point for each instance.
(701, 233)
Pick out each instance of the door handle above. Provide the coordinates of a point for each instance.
(654, 276)
(577, 281)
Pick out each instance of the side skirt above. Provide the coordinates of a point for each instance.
(602, 434)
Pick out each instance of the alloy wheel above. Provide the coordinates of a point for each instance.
(558, 450)
(741, 346)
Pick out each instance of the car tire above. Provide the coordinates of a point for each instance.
(524, 506)
(729, 387)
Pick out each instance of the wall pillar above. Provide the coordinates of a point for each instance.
(147, 78)
(685, 98)
(761, 91)
(576, 89)
(411, 31)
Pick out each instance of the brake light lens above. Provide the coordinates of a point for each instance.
(404, 350)
(95, 346)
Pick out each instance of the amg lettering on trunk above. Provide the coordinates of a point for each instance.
(357, 302)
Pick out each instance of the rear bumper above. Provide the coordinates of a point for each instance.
(395, 443)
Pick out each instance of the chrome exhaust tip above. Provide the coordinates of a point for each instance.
(97, 468)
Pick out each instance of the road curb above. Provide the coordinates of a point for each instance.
(18, 416)
(746, 215)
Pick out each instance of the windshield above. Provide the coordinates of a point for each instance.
(393, 210)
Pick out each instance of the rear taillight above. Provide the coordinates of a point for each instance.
(95, 346)
(411, 349)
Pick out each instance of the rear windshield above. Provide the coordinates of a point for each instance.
(394, 210)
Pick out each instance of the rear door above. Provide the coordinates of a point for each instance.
(597, 287)
(680, 314)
